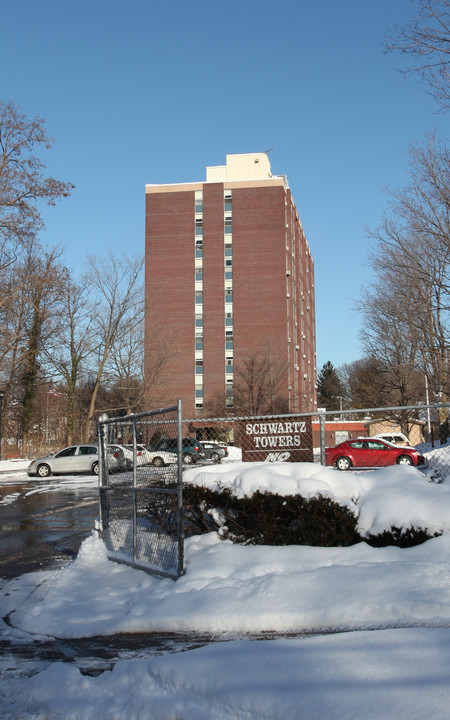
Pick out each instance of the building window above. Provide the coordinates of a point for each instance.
(199, 300)
(198, 201)
(228, 273)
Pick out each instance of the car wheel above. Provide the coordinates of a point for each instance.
(215, 457)
(188, 459)
(94, 468)
(157, 462)
(44, 470)
(405, 460)
(343, 463)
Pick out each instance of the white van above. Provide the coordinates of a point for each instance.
(396, 438)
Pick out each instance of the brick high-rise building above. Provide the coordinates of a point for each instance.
(230, 293)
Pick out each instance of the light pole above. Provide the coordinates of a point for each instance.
(341, 399)
(2, 395)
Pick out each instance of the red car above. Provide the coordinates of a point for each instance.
(370, 452)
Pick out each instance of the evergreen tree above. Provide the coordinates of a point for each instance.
(330, 390)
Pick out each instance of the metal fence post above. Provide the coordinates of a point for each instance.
(322, 439)
(102, 499)
(135, 512)
(180, 507)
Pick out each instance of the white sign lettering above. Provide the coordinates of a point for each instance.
(275, 428)
(278, 457)
(277, 439)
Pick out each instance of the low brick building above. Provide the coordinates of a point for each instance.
(337, 431)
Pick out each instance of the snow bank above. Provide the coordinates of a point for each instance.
(398, 496)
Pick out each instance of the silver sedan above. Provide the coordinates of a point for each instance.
(73, 459)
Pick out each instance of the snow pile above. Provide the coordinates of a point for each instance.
(232, 592)
(359, 675)
(397, 496)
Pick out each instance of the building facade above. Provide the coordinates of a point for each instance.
(230, 316)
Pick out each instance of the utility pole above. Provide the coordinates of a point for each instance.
(427, 398)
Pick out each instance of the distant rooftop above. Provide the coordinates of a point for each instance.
(246, 166)
(243, 167)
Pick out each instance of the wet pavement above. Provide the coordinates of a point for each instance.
(94, 655)
(43, 530)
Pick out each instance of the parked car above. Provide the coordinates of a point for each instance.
(213, 451)
(159, 458)
(191, 448)
(74, 459)
(396, 438)
(371, 452)
(128, 451)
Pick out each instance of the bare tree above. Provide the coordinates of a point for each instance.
(406, 310)
(23, 184)
(70, 345)
(258, 384)
(124, 371)
(44, 276)
(427, 41)
(22, 179)
(217, 406)
(117, 297)
(28, 318)
(364, 382)
(374, 383)
(392, 346)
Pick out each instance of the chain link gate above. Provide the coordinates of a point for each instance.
(141, 492)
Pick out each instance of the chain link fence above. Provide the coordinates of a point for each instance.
(309, 437)
(141, 515)
(141, 501)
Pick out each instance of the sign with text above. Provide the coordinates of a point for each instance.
(277, 440)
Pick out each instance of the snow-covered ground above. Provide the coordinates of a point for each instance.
(385, 612)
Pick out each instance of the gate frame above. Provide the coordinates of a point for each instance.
(103, 421)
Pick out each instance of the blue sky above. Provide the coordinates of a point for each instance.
(149, 92)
